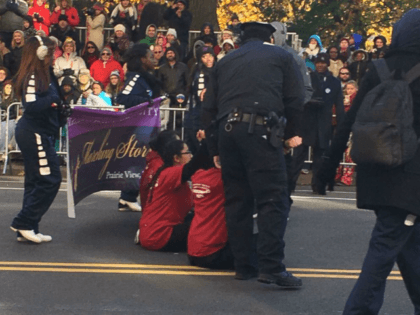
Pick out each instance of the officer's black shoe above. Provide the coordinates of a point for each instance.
(283, 279)
(245, 275)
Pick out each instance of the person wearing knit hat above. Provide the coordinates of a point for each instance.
(95, 23)
(62, 30)
(171, 34)
(119, 42)
(18, 42)
(69, 64)
(344, 52)
(172, 41)
(28, 27)
(324, 58)
(226, 34)
(125, 13)
(227, 46)
(65, 7)
(115, 86)
(101, 69)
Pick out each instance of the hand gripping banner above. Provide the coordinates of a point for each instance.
(107, 150)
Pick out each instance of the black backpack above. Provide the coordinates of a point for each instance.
(383, 132)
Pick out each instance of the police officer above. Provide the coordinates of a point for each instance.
(249, 93)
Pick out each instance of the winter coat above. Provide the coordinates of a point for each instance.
(11, 15)
(70, 11)
(174, 78)
(379, 187)
(43, 22)
(317, 116)
(125, 16)
(16, 54)
(100, 70)
(180, 24)
(95, 30)
(358, 68)
(135, 92)
(202, 34)
(119, 46)
(71, 61)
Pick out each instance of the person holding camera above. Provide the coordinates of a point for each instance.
(95, 22)
(12, 13)
(41, 16)
(180, 19)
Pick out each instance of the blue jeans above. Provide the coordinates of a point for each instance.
(392, 241)
(11, 132)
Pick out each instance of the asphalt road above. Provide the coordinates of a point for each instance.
(92, 266)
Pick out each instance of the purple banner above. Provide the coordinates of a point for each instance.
(107, 149)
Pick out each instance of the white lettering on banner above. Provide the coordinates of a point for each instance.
(114, 175)
(129, 174)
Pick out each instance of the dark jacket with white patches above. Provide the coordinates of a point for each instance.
(39, 116)
(135, 92)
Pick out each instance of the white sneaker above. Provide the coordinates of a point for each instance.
(28, 234)
(124, 205)
(137, 237)
(44, 238)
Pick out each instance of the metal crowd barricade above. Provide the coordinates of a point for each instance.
(7, 151)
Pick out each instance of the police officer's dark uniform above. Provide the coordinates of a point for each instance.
(249, 90)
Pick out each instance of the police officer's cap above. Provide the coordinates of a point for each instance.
(258, 25)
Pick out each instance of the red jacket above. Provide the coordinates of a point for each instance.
(153, 162)
(100, 70)
(72, 16)
(171, 202)
(208, 232)
(44, 13)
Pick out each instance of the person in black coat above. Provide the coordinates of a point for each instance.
(316, 131)
(392, 193)
(180, 19)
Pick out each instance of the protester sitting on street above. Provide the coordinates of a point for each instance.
(118, 42)
(69, 64)
(166, 217)
(41, 16)
(345, 172)
(64, 8)
(154, 162)
(150, 38)
(125, 13)
(114, 86)
(70, 93)
(7, 98)
(95, 22)
(28, 27)
(208, 239)
(101, 69)
(140, 87)
(62, 30)
(335, 63)
(16, 52)
(90, 53)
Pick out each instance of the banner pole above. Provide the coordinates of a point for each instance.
(70, 199)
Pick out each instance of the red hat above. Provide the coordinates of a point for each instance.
(98, 6)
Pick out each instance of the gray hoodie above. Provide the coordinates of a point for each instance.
(280, 36)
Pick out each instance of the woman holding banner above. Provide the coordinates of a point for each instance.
(35, 135)
(140, 87)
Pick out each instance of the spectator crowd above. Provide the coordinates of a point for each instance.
(93, 73)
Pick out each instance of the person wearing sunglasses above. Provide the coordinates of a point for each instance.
(90, 54)
(101, 69)
(344, 76)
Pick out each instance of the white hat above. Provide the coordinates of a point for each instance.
(171, 31)
(119, 27)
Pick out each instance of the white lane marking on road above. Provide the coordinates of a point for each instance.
(329, 192)
(323, 198)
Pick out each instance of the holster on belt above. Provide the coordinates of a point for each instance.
(275, 128)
